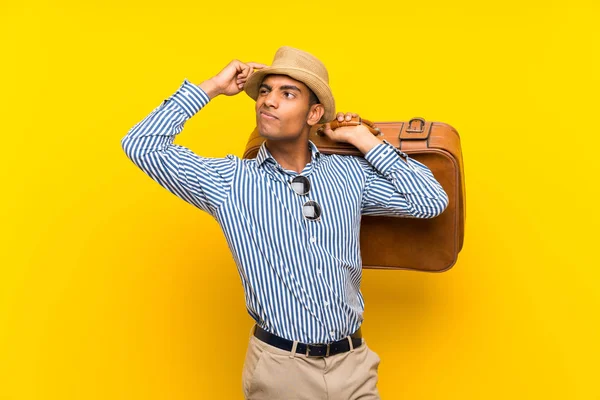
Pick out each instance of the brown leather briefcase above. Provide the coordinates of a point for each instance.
(430, 245)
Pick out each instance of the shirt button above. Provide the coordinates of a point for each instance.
(319, 270)
(313, 239)
(326, 303)
(332, 333)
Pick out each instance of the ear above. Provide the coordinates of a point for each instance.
(315, 113)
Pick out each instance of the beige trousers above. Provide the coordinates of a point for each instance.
(275, 374)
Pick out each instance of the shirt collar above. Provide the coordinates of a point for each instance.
(264, 154)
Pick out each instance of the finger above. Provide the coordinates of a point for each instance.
(348, 116)
(256, 65)
(246, 71)
(340, 116)
(327, 131)
(249, 70)
(239, 66)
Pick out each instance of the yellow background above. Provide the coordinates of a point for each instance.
(113, 288)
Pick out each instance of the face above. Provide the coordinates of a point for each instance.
(282, 109)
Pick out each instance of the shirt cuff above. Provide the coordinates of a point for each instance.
(191, 98)
(384, 157)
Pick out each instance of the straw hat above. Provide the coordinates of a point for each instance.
(303, 67)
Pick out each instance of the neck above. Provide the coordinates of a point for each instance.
(292, 155)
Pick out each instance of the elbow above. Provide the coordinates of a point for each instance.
(128, 144)
(431, 208)
(131, 147)
(125, 145)
(438, 205)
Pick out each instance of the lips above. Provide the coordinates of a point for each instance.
(267, 115)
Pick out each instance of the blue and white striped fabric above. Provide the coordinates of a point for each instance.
(301, 278)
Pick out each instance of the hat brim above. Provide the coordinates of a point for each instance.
(320, 88)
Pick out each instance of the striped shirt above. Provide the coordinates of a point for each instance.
(301, 278)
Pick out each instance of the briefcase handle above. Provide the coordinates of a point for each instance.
(353, 122)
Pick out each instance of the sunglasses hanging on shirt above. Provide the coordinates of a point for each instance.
(311, 210)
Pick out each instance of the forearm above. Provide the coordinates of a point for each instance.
(365, 142)
(157, 131)
(413, 181)
(210, 88)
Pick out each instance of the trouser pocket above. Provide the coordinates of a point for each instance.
(254, 354)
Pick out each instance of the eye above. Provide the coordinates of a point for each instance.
(286, 95)
(262, 91)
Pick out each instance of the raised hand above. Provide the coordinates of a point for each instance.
(231, 80)
(345, 133)
(359, 136)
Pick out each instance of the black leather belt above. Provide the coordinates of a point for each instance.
(311, 350)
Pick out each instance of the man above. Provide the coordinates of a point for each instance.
(291, 218)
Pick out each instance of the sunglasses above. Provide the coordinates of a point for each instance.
(311, 209)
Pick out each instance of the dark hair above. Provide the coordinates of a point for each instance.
(312, 99)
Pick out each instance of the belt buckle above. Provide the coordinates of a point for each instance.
(308, 346)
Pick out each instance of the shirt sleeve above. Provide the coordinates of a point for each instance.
(201, 181)
(397, 185)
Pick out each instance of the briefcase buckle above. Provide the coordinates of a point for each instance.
(421, 127)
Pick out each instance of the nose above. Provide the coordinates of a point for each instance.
(271, 99)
